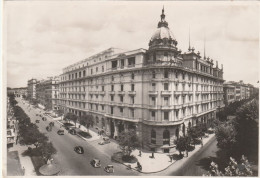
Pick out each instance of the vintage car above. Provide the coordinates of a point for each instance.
(109, 168)
(44, 118)
(61, 132)
(95, 163)
(72, 131)
(37, 121)
(79, 149)
(104, 141)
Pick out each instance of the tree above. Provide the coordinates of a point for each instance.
(60, 112)
(74, 118)
(30, 135)
(128, 141)
(182, 144)
(225, 134)
(68, 116)
(234, 169)
(47, 150)
(87, 120)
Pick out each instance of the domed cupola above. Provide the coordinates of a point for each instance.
(163, 37)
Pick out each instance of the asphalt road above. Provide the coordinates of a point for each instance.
(72, 163)
(196, 165)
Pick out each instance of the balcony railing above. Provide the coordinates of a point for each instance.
(153, 92)
(121, 92)
(166, 92)
(132, 92)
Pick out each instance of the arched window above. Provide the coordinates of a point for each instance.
(153, 136)
(166, 137)
(189, 124)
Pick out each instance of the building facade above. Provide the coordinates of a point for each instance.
(47, 92)
(31, 89)
(229, 93)
(159, 92)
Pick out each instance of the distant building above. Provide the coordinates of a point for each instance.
(159, 92)
(10, 131)
(229, 93)
(31, 89)
(47, 92)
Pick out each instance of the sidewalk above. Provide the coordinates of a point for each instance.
(25, 161)
(162, 161)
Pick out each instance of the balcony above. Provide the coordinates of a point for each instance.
(166, 92)
(177, 92)
(111, 92)
(121, 92)
(102, 92)
(162, 123)
(186, 92)
(166, 107)
(153, 92)
(198, 92)
(131, 92)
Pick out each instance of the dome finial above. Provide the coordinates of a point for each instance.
(163, 15)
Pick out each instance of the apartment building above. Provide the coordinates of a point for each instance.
(47, 92)
(159, 92)
(229, 93)
(31, 89)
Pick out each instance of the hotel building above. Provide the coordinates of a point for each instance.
(159, 92)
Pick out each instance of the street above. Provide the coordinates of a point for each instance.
(72, 163)
(194, 166)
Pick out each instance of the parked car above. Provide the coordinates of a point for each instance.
(61, 132)
(109, 169)
(72, 131)
(95, 163)
(51, 124)
(44, 118)
(79, 149)
(37, 121)
(104, 141)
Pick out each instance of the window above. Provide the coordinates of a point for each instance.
(112, 110)
(112, 98)
(183, 99)
(122, 87)
(166, 137)
(103, 88)
(183, 76)
(121, 110)
(153, 136)
(121, 98)
(131, 62)
(177, 114)
(153, 101)
(114, 64)
(166, 88)
(183, 87)
(97, 120)
(154, 74)
(132, 76)
(184, 111)
(91, 71)
(102, 68)
(176, 86)
(112, 87)
(103, 107)
(165, 54)
(96, 107)
(132, 87)
(153, 86)
(133, 100)
(166, 74)
(176, 75)
(96, 96)
(166, 115)
(96, 69)
(166, 101)
(132, 112)
(153, 113)
(76, 75)
(79, 74)
(122, 63)
(112, 78)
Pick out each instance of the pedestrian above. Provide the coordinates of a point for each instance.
(152, 154)
(140, 153)
(23, 171)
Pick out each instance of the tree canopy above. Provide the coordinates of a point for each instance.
(128, 141)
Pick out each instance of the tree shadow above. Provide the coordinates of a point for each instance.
(221, 159)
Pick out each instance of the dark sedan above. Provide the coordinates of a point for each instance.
(79, 149)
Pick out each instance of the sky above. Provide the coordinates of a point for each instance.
(43, 37)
